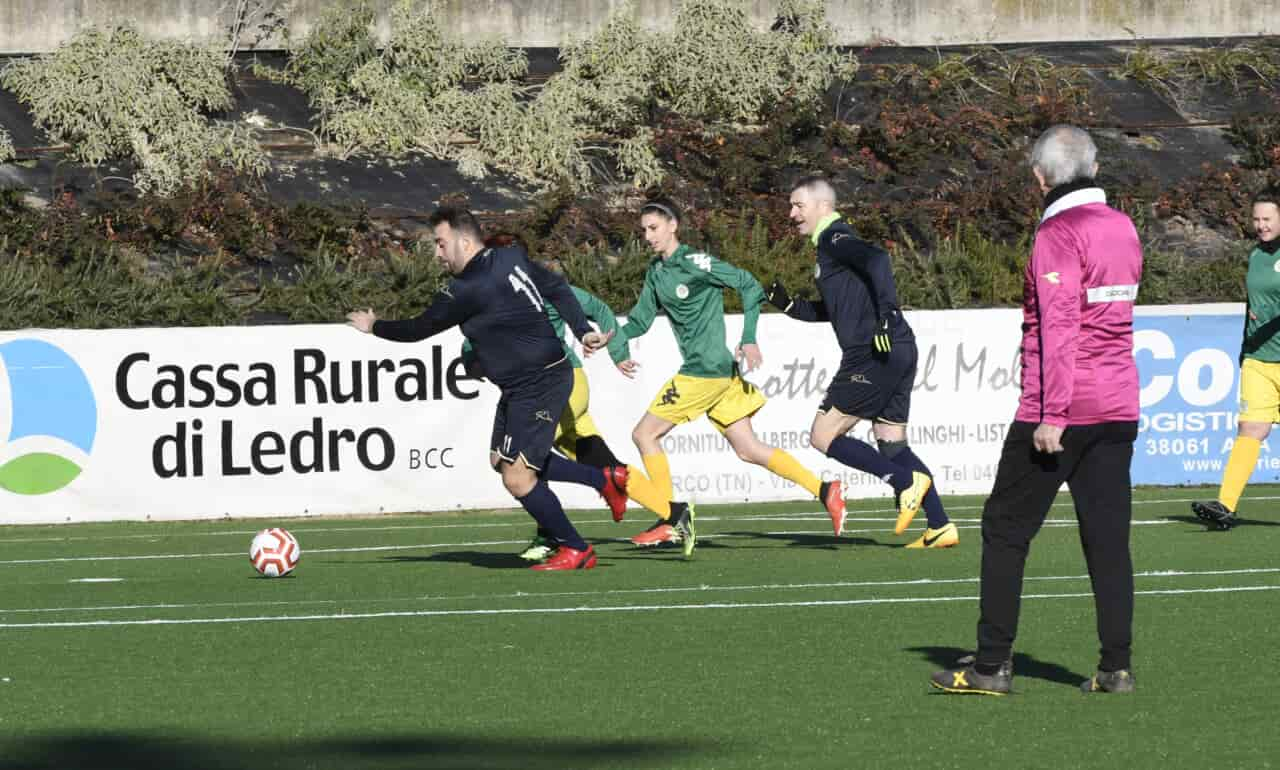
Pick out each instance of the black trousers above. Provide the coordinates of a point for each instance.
(1094, 464)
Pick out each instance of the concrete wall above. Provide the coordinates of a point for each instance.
(28, 26)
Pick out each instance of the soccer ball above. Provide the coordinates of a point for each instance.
(274, 552)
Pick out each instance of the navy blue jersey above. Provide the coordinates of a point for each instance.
(499, 300)
(856, 290)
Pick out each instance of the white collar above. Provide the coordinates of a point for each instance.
(1073, 199)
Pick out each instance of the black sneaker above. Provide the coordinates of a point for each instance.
(1214, 514)
(682, 515)
(1110, 681)
(966, 680)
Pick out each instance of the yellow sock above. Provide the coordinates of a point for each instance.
(1244, 456)
(659, 474)
(645, 492)
(790, 468)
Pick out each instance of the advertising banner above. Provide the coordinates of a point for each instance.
(1189, 368)
(320, 419)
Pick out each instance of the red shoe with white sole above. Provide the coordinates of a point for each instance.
(615, 490)
(832, 495)
(568, 558)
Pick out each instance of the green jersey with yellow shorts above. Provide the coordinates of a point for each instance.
(1260, 349)
(689, 286)
(1259, 382)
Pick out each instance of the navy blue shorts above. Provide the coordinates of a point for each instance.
(525, 423)
(872, 387)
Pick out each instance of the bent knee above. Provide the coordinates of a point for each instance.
(519, 485)
(647, 441)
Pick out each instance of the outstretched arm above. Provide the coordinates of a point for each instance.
(641, 316)
(444, 312)
(555, 289)
(603, 316)
(796, 307)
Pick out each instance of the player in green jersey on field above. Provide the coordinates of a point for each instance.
(688, 285)
(1259, 364)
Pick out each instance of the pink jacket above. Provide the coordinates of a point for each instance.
(1077, 309)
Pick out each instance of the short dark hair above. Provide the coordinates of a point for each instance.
(1268, 195)
(817, 186)
(461, 221)
(663, 207)
(502, 240)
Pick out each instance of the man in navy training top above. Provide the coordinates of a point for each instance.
(498, 297)
(858, 296)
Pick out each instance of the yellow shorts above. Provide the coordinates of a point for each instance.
(724, 400)
(574, 422)
(1259, 391)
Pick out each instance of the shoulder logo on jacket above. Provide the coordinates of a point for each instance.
(701, 260)
(1054, 277)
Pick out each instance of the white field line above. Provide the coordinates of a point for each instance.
(615, 608)
(245, 554)
(1056, 524)
(521, 522)
(703, 588)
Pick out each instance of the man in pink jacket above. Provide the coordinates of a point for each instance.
(1076, 422)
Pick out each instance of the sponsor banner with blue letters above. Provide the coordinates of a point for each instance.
(320, 419)
(1189, 372)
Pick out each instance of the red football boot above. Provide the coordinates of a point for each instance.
(832, 496)
(567, 558)
(615, 490)
(660, 533)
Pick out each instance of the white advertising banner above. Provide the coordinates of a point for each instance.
(320, 419)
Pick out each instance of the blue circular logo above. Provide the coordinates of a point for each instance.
(47, 432)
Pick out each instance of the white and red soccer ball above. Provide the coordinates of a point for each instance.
(274, 552)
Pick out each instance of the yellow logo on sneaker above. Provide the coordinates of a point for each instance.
(958, 680)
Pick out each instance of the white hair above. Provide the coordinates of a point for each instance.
(1064, 154)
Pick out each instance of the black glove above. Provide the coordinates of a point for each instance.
(778, 296)
(882, 340)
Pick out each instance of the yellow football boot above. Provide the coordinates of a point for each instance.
(943, 537)
(910, 499)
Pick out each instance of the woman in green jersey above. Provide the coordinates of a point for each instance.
(1259, 364)
(688, 285)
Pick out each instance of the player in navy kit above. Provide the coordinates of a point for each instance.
(498, 297)
(858, 296)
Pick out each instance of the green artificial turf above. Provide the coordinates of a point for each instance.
(422, 641)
